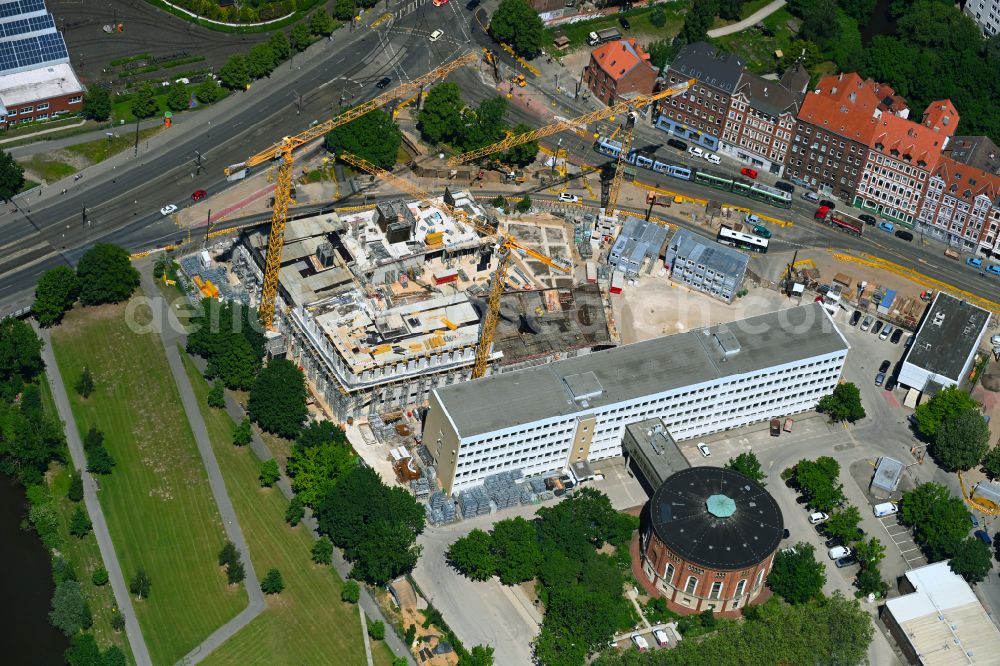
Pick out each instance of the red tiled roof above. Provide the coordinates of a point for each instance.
(899, 137)
(941, 116)
(967, 178)
(620, 57)
(846, 104)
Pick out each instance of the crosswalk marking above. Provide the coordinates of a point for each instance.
(410, 7)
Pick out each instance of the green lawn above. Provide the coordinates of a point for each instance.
(49, 169)
(307, 623)
(102, 149)
(159, 508)
(638, 19)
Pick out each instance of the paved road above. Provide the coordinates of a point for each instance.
(751, 20)
(93, 504)
(171, 335)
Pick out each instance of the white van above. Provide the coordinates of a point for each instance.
(885, 509)
(696, 151)
(436, 35)
(712, 158)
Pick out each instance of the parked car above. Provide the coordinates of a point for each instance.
(886, 227)
(785, 187)
(436, 35)
(472, 4)
(885, 509)
(984, 537)
(975, 262)
(198, 195)
(696, 151)
(712, 158)
(802, 499)
(817, 517)
(568, 198)
(877, 327)
(867, 219)
(896, 335)
(886, 330)
(785, 534)
(624, 22)
(809, 195)
(867, 323)
(855, 317)
(890, 383)
(383, 82)
(835, 541)
(826, 202)
(168, 209)
(848, 561)
(677, 143)
(703, 448)
(993, 269)
(661, 637)
(904, 235)
(838, 552)
(748, 172)
(879, 379)
(885, 366)
(640, 642)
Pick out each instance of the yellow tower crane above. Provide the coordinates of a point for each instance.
(282, 153)
(506, 245)
(616, 182)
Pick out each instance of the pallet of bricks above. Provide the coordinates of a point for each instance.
(441, 509)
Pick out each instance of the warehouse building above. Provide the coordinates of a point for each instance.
(699, 382)
(703, 264)
(944, 348)
(708, 539)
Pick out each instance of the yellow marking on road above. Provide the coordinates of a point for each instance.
(354, 209)
(677, 198)
(921, 279)
(381, 19)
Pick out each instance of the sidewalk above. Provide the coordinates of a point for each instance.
(751, 20)
(132, 631)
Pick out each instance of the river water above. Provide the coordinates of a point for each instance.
(881, 23)
(25, 632)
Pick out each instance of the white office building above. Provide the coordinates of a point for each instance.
(986, 13)
(699, 382)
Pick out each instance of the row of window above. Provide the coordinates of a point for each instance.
(715, 592)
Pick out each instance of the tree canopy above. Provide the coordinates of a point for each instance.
(818, 481)
(20, 352)
(144, 101)
(748, 465)
(844, 404)
(844, 523)
(235, 74)
(69, 611)
(278, 399)
(315, 466)
(961, 441)
(11, 176)
(971, 559)
(374, 136)
(516, 23)
(106, 275)
(440, 118)
(945, 405)
(229, 336)
(97, 104)
(797, 576)
(939, 519)
(472, 555)
(55, 294)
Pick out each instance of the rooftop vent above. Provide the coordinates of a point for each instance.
(938, 318)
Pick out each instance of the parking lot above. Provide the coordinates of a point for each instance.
(901, 536)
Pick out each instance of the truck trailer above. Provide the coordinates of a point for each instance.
(602, 36)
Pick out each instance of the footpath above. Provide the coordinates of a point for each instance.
(107, 548)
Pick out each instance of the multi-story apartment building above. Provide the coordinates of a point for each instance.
(962, 202)
(575, 410)
(699, 114)
(759, 124)
(902, 155)
(617, 69)
(986, 13)
(833, 132)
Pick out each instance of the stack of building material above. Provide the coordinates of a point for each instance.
(474, 502)
(420, 488)
(431, 475)
(440, 509)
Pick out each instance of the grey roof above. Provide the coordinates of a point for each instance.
(769, 97)
(643, 368)
(710, 66)
(680, 518)
(796, 80)
(948, 336)
(976, 151)
(887, 474)
(657, 448)
(639, 239)
(720, 258)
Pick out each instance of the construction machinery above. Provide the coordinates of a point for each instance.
(506, 246)
(635, 104)
(616, 181)
(282, 153)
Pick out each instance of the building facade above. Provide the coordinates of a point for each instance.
(617, 69)
(699, 382)
(638, 242)
(709, 539)
(699, 114)
(760, 122)
(705, 265)
(986, 14)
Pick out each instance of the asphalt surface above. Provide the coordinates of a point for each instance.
(104, 544)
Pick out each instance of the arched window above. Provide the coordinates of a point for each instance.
(716, 590)
(740, 586)
(760, 579)
(692, 585)
(668, 574)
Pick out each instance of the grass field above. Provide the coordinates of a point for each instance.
(102, 149)
(307, 623)
(157, 501)
(49, 169)
(641, 27)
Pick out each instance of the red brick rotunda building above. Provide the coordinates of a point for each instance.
(708, 540)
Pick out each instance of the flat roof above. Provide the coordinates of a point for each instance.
(644, 368)
(657, 447)
(888, 473)
(38, 84)
(948, 336)
(716, 517)
(705, 251)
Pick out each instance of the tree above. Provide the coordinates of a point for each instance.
(411, 635)
(730, 10)
(93, 439)
(178, 97)
(242, 433)
(991, 463)
(485, 125)
(55, 294)
(278, 399)
(235, 572)
(514, 545)
(228, 554)
(818, 480)
(273, 583)
(217, 396)
(106, 275)
(524, 154)
(295, 512)
(440, 118)
(658, 16)
(322, 551)
(343, 9)
(234, 74)
(516, 23)
(472, 555)
(144, 101)
(100, 577)
(797, 576)
(11, 176)
(85, 383)
(374, 137)
(140, 584)
(844, 404)
(100, 461)
(83, 651)
(844, 523)
(376, 630)
(860, 10)
(280, 46)
(870, 552)
(96, 104)
(946, 405)
(314, 469)
(208, 92)
(351, 592)
(321, 24)
(269, 473)
(300, 38)
(961, 441)
(113, 656)
(20, 352)
(260, 60)
(748, 465)
(230, 338)
(117, 620)
(971, 559)
(524, 205)
(939, 519)
(480, 655)
(69, 612)
(498, 202)
(79, 524)
(75, 492)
